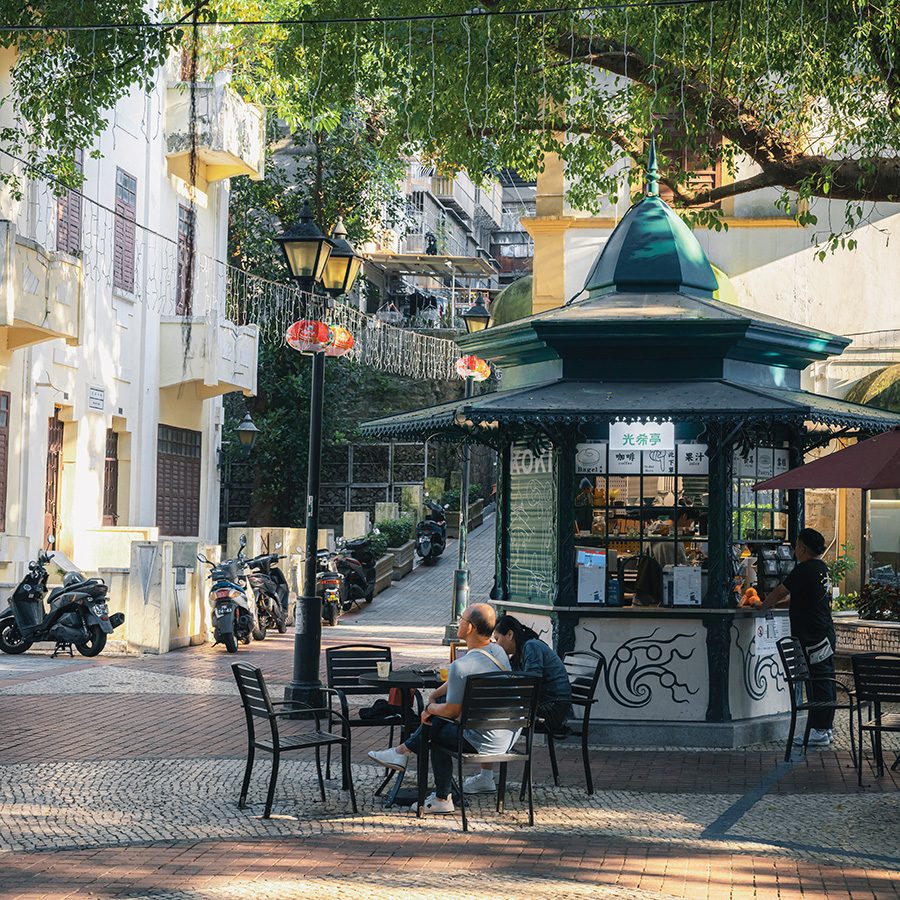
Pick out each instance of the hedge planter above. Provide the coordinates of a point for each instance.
(384, 573)
(476, 517)
(403, 559)
(866, 636)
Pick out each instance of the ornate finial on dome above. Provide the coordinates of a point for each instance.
(652, 171)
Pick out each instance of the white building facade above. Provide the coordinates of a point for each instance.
(115, 349)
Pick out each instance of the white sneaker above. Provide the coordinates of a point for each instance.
(435, 806)
(390, 758)
(818, 737)
(482, 783)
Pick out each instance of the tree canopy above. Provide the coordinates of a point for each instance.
(808, 90)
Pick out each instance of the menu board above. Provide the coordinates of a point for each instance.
(532, 515)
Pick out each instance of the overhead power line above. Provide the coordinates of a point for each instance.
(476, 13)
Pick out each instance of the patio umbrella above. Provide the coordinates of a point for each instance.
(869, 465)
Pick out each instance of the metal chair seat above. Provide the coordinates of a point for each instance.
(887, 722)
(300, 741)
(877, 680)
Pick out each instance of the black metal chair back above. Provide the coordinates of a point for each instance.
(255, 698)
(346, 662)
(795, 663)
(584, 669)
(499, 701)
(877, 677)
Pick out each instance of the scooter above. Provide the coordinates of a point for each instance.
(233, 612)
(355, 561)
(431, 534)
(271, 589)
(331, 586)
(79, 614)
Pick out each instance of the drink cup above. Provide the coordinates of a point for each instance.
(444, 673)
(384, 669)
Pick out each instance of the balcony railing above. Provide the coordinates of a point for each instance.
(41, 297)
(457, 193)
(230, 133)
(214, 355)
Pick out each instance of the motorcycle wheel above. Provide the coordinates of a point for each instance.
(259, 634)
(95, 644)
(281, 625)
(331, 613)
(430, 560)
(230, 643)
(247, 638)
(370, 595)
(11, 640)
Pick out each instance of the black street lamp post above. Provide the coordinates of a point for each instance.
(476, 319)
(314, 259)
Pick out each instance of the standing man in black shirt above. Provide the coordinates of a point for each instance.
(807, 592)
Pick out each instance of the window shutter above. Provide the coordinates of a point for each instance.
(178, 481)
(68, 216)
(184, 285)
(124, 243)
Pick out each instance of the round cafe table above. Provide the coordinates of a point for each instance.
(408, 680)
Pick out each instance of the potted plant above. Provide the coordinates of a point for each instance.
(398, 533)
(384, 561)
(476, 506)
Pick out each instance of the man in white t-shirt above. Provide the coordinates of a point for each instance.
(476, 625)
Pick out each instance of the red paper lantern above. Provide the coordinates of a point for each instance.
(341, 342)
(473, 367)
(308, 336)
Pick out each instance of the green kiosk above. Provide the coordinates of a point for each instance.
(630, 428)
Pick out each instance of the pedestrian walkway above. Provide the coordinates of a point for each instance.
(120, 777)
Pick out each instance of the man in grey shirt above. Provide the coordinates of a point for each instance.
(476, 625)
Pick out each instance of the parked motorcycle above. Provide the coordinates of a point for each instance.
(78, 614)
(233, 611)
(431, 533)
(331, 587)
(356, 562)
(271, 590)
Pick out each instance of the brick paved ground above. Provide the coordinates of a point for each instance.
(119, 779)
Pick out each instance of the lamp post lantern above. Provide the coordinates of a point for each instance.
(471, 369)
(309, 254)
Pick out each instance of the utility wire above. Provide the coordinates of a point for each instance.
(366, 20)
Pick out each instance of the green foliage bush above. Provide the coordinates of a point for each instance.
(379, 543)
(450, 498)
(879, 603)
(396, 531)
(842, 563)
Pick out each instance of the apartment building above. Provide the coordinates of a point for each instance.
(115, 350)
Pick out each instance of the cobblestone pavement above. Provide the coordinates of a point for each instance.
(119, 777)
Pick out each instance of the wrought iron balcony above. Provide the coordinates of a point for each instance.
(230, 133)
(40, 292)
(213, 354)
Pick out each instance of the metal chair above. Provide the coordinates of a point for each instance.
(258, 705)
(497, 701)
(584, 669)
(877, 680)
(799, 678)
(343, 666)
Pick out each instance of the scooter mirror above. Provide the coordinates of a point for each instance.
(202, 558)
(278, 545)
(375, 531)
(446, 506)
(51, 539)
(243, 542)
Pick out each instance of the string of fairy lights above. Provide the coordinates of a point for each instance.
(156, 281)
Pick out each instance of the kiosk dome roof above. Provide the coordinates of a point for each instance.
(652, 250)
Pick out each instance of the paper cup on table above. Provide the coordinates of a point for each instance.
(384, 669)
